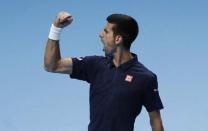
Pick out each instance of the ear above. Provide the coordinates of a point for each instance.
(118, 39)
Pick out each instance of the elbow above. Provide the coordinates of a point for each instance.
(49, 68)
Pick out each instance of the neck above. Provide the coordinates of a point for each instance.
(121, 56)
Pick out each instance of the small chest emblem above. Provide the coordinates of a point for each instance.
(79, 58)
(129, 78)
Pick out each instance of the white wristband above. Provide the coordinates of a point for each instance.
(54, 33)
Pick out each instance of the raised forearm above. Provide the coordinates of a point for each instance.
(52, 55)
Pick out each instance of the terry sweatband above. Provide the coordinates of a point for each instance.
(54, 33)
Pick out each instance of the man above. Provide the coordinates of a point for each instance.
(119, 84)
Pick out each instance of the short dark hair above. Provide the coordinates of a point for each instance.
(126, 26)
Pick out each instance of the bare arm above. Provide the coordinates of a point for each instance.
(52, 58)
(53, 61)
(156, 121)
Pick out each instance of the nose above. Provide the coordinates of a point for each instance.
(101, 34)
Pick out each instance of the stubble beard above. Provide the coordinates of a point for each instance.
(109, 53)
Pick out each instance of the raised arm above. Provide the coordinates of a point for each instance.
(53, 62)
(156, 121)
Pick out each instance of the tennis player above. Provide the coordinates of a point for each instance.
(120, 85)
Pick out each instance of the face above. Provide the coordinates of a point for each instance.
(108, 40)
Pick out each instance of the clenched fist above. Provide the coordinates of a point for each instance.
(63, 19)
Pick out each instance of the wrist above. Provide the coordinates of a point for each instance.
(54, 33)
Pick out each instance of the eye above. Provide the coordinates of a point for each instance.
(105, 30)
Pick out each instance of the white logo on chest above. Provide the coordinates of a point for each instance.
(129, 78)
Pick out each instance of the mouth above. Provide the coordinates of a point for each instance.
(103, 48)
(103, 45)
(101, 40)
